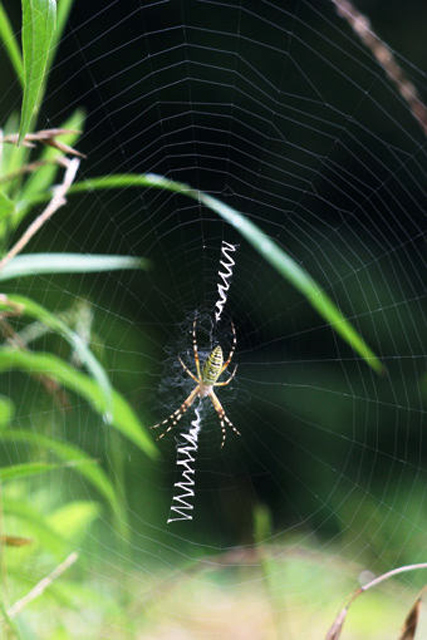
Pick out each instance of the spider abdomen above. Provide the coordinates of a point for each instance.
(212, 367)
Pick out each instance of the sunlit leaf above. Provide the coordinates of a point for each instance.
(38, 25)
(123, 416)
(268, 248)
(6, 206)
(63, 11)
(35, 524)
(72, 520)
(25, 469)
(32, 264)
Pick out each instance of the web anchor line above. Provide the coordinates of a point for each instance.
(227, 263)
(186, 457)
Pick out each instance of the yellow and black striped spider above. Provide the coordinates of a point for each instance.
(206, 380)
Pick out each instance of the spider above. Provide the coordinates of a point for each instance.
(206, 380)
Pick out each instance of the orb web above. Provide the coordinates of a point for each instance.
(281, 112)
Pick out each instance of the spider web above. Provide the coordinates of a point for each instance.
(280, 111)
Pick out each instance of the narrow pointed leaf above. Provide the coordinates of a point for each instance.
(268, 248)
(7, 207)
(38, 25)
(68, 453)
(30, 308)
(32, 264)
(26, 469)
(123, 416)
(7, 37)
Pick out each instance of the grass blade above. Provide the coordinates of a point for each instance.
(8, 39)
(123, 416)
(68, 453)
(32, 264)
(268, 248)
(26, 469)
(30, 308)
(38, 26)
(35, 522)
(63, 11)
(6, 207)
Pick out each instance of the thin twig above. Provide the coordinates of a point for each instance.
(393, 572)
(335, 630)
(58, 200)
(42, 585)
(46, 137)
(33, 166)
(384, 56)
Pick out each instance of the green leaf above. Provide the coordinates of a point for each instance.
(7, 410)
(37, 527)
(72, 521)
(123, 416)
(30, 469)
(38, 26)
(7, 207)
(69, 453)
(63, 11)
(8, 39)
(12, 156)
(268, 248)
(32, 264)
(30, 308)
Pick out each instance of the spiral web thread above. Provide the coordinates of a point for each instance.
(187, 443)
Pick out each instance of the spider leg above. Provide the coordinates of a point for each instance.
(177, 415)
(233, 349)
(222, 417)
(223, 384)
(196, 351)
(187, 370)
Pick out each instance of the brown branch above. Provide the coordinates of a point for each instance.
(384, 56)
(46, 137)
(42, 585)
(58, 200)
